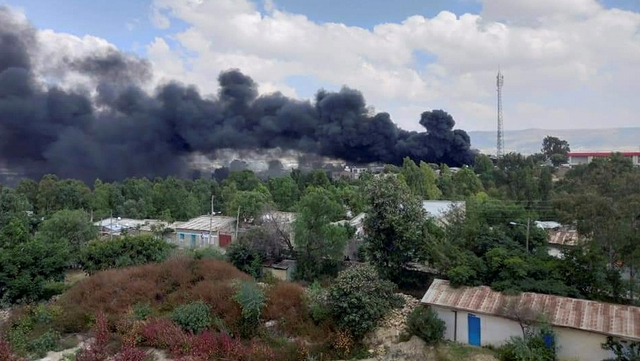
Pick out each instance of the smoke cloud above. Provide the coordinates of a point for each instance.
(122, 131)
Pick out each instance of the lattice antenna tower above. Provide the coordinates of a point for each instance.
(500, 147)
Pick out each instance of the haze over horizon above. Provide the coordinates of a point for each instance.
(568, 64)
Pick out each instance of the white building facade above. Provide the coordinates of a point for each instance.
(478, 316)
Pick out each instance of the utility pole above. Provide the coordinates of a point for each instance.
(211, 221)
(237, 221)
(528, 226)
(111, 227)
(500, 138)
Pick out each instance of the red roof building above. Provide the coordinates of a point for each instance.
(576, 158)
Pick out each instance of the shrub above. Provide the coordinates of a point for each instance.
(48, 341)
(532, 347)
(318, 305)
(359, 299)
(164, 334)
(245, 258)
(286, 304)
(251, 300)
(208, 252)
(424, 323)
(97, 350)
(163, 286)
(123, 252)
(193, 317)
(141, 311)
(131, 353)
(6, 354)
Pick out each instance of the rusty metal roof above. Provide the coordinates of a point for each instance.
(599, 317)
(563, 238)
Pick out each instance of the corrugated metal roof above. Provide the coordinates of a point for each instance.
(599, 317)
(118, 224)
(203, 223)
(601, 154)
(564, 238)
(437, 209)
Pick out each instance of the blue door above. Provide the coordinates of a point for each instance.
(473, 322)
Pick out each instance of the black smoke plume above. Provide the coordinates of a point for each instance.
(122, 131)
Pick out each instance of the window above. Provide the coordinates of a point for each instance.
(181, 237)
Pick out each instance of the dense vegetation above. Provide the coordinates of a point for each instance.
(46, 230)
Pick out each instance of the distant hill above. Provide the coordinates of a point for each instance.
(529, 141)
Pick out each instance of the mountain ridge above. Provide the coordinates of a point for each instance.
(528, 141)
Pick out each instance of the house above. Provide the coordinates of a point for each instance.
(282, 270)
(357, 222)
(560, 240)
(279, 222)
(116, 226)
(480, 316)
(439, 209)
(586, 157)
(195, 232)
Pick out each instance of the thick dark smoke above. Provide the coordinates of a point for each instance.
(123, 131)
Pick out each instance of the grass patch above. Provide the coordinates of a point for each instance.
(454, 351)
(73, 277)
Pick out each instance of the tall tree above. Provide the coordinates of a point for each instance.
(555, 149)
(285, 192)
(319, 244)
(72, 227)
(395, 226)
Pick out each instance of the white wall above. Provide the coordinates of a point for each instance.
(580, 345)
(493, 330)
(572, 344)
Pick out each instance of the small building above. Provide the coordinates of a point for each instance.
(282, 270)
(576, 158)
(357, 222)
(116, 226)
(561, 240)
(280, 222)
(439, 209)
(195, 232)
(479, 316)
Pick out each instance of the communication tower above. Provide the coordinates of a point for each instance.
(500, 148)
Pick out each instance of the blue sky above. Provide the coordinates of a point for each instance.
(110, 19)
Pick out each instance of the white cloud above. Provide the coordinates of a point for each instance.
(158, 19)
(553, 54)
(567, 63)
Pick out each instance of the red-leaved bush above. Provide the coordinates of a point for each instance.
(97, 350)
(6, 354)
(164, 334)
(129, 353)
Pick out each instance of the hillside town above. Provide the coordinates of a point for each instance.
(517, 253)
(279, 180)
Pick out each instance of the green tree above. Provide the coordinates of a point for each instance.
(421, 180)
(46, 201)
(74, 227)
(13, 206)
(29, 189)
(27, 265)
(285, 192)
(245, 180)
(555, 149)
(249, 203)
(123, 252)
(358, 299)
(318, 243)
(431, 190)
(396, 226)
(466, 183)
(245, 258)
